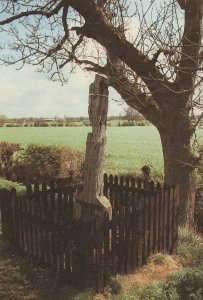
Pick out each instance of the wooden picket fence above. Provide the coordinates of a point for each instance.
(41, 226)
(198, 213)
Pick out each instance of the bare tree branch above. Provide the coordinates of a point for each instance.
(34, 13)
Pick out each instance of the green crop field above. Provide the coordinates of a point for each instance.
(127, 149)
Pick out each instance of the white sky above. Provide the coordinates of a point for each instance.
(26, 93)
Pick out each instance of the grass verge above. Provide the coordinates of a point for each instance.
(165, 277)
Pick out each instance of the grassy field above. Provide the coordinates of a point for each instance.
(127, 149)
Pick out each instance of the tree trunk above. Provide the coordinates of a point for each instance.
(178, 161)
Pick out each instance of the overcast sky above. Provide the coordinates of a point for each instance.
(27, 93)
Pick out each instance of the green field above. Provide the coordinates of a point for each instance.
(127, 149)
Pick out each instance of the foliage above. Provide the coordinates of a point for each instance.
(127, 123)
(34, 162)
(182, 285)
(186, 284)
(141, 124)
(152, 291)
(86, 123)
(132, 114)
(7, 151)
(158, 258)
(39, 162)
(6, 184)
(190, 247)
(115, 286)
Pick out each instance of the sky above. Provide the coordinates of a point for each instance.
(27, 93)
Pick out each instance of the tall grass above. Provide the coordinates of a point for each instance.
(190, 247)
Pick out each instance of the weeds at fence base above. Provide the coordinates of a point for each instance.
(166, 277)
(190, 247)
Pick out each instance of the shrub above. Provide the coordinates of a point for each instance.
(153, 291)
(6, 184)
(86, 123)
(34, 162)
(43, 124)
(186, 284)
(71, 162)
(38, 162)
(10, 125)
(141, 124)
(7, 151)
(127, 123)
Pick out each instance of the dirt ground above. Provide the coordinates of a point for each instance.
(149, 273)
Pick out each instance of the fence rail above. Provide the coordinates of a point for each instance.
(40, 224)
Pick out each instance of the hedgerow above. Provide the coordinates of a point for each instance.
(39, 162)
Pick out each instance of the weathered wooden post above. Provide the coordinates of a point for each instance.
(93, 203)
(90, 208)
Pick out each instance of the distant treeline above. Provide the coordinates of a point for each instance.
(68, 121)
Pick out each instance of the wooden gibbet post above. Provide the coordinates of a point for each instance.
(93, 203)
